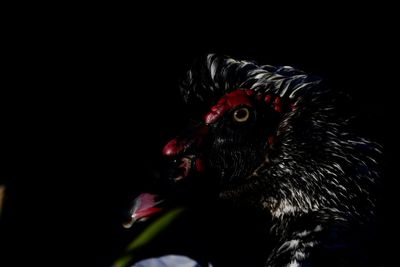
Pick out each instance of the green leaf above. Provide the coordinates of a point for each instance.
(147, 235)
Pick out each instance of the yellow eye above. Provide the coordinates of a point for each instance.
(241, 115)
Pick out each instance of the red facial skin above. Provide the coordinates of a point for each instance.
(228, 102)
(239, 97)
(174, 147)
(278, 104)
(179, 145)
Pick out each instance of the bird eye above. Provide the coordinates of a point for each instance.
(241, 115)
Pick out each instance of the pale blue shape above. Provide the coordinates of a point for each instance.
(168, 261)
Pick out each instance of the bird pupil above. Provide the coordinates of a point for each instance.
(240, 114)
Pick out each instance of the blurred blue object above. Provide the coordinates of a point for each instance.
(168, 261)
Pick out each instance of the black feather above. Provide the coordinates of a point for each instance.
(317, 179)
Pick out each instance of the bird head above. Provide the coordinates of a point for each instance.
(238, 134)
(232, 140)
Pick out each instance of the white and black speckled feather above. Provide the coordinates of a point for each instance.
(317, 180)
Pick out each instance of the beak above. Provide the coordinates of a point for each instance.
(184, 153)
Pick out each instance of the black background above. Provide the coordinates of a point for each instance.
(88, 103)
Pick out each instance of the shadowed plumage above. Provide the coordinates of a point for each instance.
(274, 140)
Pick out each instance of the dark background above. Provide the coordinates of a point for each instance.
(87, 106)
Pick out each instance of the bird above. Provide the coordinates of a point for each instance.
(273, 138)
